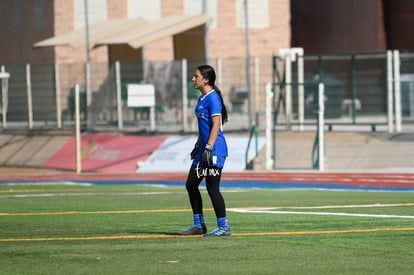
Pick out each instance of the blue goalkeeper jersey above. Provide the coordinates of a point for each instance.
(207, 107)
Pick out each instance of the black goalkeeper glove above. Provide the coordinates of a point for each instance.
(207, 158)
(194, 153)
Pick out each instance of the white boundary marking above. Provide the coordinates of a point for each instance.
(330, 206)
(273, 210)
(319, 213)
(33, 193)
(81, 194)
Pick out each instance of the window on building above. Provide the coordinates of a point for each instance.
(97, 11)
(38, 15)
(194, 7)
(150, 10)
(17, 15)
(258, 13)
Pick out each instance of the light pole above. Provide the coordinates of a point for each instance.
(204, 10)
(88, 65)
(88, 58)
(249, 94)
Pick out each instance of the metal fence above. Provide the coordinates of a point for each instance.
(372, 89)
(42, 96)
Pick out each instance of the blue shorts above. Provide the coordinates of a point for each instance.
(217, 162)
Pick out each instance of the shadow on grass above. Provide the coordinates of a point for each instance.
(149, 232)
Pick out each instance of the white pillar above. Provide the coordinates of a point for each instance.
(390, 97)
(290, 55)
(77, 132)
(256, 87)
(301, 91)
(4, 77)
(288, 90)
(397, 92)
(269, 127)
(29, 96)
(185, 99)
(152, 118)
(58, 102)
(118, 96)
(411, 98)
(321, 127)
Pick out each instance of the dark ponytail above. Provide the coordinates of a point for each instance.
(224, 117)
(208, 73)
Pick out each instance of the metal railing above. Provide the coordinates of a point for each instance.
(41, 97)
(315, 121)
(362, 89)
(254, 133)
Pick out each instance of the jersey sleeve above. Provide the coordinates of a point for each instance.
(215, 106)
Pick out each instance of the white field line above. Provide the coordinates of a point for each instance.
(330, 206)
(80, 194)
(272, 210)
(69, 183)
(321, 213)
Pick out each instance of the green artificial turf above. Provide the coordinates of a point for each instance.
(133, 230)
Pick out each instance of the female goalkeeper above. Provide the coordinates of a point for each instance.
(208, 155)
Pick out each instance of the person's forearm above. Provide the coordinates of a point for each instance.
(214, 130)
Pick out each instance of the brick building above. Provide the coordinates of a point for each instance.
(319, 26)
(26, 22)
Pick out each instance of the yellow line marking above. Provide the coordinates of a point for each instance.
(80, 190)
(100, 212)
(95, 238)
(180, 236)
(207, 209)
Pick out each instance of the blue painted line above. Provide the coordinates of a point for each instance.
(237, 184)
